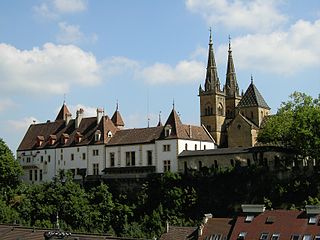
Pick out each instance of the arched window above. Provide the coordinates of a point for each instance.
(186, 146)
(220, 109)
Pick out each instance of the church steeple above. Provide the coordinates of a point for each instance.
(232, 88)
(212, 81)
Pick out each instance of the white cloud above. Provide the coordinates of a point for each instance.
(184, 72)
(70, 6)
(69, 33)
(257, 15)
(52, 9)
(52, 69)
(281, 52)
(5, 104)
(117, 65)
(88, 110)
(23, 124)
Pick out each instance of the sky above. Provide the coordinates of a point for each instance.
(146, 55)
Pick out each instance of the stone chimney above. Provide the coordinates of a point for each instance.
(99, 114)
(68, 118)
(79, 117)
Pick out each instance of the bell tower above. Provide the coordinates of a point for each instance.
(212, 100)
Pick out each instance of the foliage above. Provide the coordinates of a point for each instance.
(10, 169)
(296, 125)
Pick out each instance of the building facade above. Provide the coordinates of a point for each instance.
(233, 119)
(100, 146)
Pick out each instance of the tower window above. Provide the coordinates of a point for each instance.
(220, 109)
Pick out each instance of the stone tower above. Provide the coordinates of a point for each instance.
(212, 100)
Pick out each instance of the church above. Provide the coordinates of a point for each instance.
(233, 119)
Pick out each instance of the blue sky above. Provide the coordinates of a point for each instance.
(145, 53)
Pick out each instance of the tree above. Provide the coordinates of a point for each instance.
(296, 125)
(10, 169)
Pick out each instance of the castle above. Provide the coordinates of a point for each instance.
(233, 119)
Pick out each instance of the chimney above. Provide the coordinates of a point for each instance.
(68, 118)
(200, 230)
(99, 114)
(206, 217)
(190, 131)
(79, 117)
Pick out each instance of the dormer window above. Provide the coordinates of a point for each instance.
(109, 134)
(167, 131)
(52, 139)
(97, 136)
(40, 140)
(64, 138)
(78, 137)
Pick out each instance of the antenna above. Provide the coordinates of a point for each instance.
(148, 117)
(64, 98)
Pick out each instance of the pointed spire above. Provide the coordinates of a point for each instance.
(251, 79)
(232, 88)
(63, 113)
(159, 123)
(212, 81)
(116, 118)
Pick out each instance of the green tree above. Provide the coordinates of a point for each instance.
(10, 169)
(296, 125)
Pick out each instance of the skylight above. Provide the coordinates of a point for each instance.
(312, 220)
(295, 237)
(242, 235)
(264, 236)
(307, 237)
(276, 236)
(249, 218)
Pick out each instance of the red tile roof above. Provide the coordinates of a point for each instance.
(63, 112)
(179, 233)
(215, 227)
(284, 222)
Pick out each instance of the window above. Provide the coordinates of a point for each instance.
(251, 115)
(295, 237)
(49, 158)
(41, 159)
(264, 236)
(204, 147)
(232, 162)
(112, 159)
(61, 157)
(130, 158)
(30, 175)
(166, 166)
(78, 149)
(216, 164)
(186, 146)
(248, 162)
(72, 157)
(242, 235)
(249, 218)
(276, 236)
(307, 237)
(166, 148)
(312, 220)
(95, 167)
(40, 175)
(28, 159)
(220, 109)
(149, 156)
(317, 237)
(36, 175)
(200, 165)
(195, 147)
(95, 152)
(167, 131)
(61, 150)
(83, 156)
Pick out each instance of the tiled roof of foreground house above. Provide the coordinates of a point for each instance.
(14, 232)
(277, 225)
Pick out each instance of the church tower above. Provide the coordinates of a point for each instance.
(212, 100)
(231, 87)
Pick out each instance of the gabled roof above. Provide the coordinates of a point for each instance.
(179, 233)
(63, 112)
(283, 222)
(215, 227)
(87, 129)
(117, 119)
(184, 131)
(253, 98)
(244, 119)
(135, 136)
